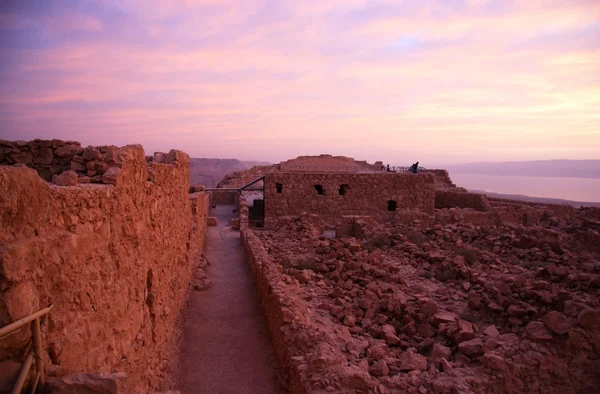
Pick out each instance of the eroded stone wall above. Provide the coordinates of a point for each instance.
(460, 199)
(381, 195)
(114, 260)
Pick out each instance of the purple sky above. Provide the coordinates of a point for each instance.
(399, 81)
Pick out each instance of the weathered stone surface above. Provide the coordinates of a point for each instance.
(379, 369)
(79, 167)
(536, 331)
(411, 361)
(211, 221)
(9, 372)
(88, 383)
(589, 318)
(472, 348)
(556, 322)
(111, 259)
(493, 361)
(25, 157)
(67, 178)
(111, 176)
(43, 156)
(491, 331)
(440, 351)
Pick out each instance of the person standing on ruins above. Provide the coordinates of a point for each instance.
(414, 168)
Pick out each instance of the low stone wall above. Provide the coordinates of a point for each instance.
(460, 199)
(115, 260)
(332, 196)
(225, 197)
(302, 347)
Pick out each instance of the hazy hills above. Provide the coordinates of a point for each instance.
(541, 168)
(209, 172)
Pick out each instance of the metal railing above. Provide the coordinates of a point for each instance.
(36, 353)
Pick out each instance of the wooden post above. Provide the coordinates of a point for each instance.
(23, 374)
(37, 342)
(14, 326)
(35, 382)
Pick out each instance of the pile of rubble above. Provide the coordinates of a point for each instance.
(505, 308)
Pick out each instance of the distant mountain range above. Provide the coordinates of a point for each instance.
(210, 172)
(541, 168)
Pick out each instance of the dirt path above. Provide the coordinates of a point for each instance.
(226, 348)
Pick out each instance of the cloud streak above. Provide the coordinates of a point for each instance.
(396, 81)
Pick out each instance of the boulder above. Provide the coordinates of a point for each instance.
(491, 331)
(472, 348)
(379, 369)
(556, 322)
(211, 221)
(76, 166)
(110, 176)
(493, 361)
(411, 361)
(88, 383)
(43, 156)
(67, 178)
(589, 318)
(537, 332)
(440, 351)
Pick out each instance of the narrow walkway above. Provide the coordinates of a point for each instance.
(226, 347)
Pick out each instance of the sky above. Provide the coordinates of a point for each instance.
(447, 81)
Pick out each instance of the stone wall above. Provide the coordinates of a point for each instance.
(53, 157)
(224, 197)
(460, 199)
(363, 194)
(115, 260)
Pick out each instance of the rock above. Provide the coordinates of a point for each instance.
(349, 321)
(474, 302)
(43, 156)
(67, 178)
(9, 372)
(378, 351)
(67, 150)
(444, 317)
(426, 330)
(379, 369)
(428, 306)
(211, 221)
(96, 179)
(355, 377)
(440, 351)
(90, 153)
(556, 322)
(589, 318)
(472, 348)
(24, 157)
(75, 166)
(536, 331)
(110, 176)
(493, 361)
(88, 383)
(562, 270)
(411, 361)
(491, 331)
(83, 179)
(388, 334)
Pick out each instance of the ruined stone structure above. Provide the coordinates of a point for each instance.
(115, 260)
(380, 195)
